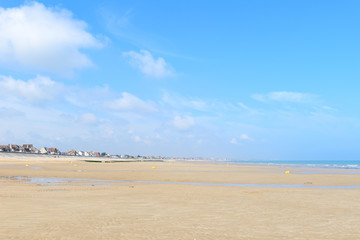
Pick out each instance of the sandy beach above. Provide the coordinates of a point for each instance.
(68, 198)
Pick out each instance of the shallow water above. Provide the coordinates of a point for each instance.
(53, 181)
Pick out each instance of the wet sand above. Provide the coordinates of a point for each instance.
(173, 208)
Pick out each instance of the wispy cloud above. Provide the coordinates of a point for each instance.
(245, 137)
(177, 101)
(142, 140)
(37, 37)
(284, 96)
(329, 108)
(148, 65)
(243, 106)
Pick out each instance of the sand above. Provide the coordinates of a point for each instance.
(173, 208)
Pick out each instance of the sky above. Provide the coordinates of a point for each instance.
(246, 80)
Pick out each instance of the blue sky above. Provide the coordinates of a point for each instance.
(240, 79)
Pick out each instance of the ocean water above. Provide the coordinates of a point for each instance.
(321, 164)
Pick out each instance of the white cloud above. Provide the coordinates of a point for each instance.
(183, 123)
(143, 60)
(34, 90)
(233, 141)
(129, 102)
(284, 97)
(34, 36)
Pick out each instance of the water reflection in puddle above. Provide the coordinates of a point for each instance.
(83, 182)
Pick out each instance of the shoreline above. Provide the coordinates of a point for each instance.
(179, 171)
(294, 164)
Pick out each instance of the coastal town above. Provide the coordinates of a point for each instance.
(29, 148)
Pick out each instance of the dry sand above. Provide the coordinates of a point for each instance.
(142, 210)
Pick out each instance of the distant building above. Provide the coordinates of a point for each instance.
(35, 150)
(21, 149)
(28, 148)
(13, 148)
(54, 151)
(72, 152)
(82, 153)
(44, 150)
(94, 154)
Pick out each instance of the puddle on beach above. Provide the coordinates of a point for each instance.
(83, 182)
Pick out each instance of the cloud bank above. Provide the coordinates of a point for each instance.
(34, 90)
(102, 119)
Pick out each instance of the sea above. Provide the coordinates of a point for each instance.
(316, 164)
